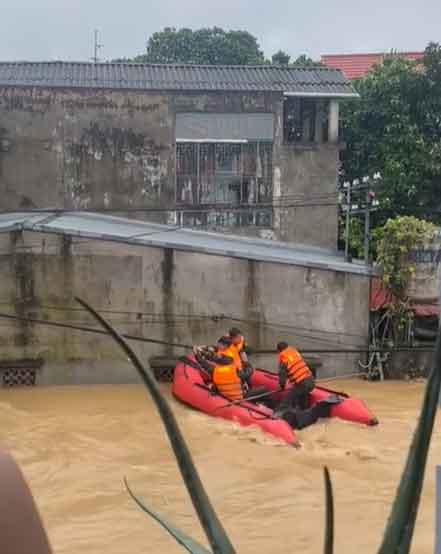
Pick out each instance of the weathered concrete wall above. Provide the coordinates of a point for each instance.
(425, 283)
(308, 176)
(167, 295)
(74, 148)
(84, 149)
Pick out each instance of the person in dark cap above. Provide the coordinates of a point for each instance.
(292, 368)
(238, 342)
(221, 362)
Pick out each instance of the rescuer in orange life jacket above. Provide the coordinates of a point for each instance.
(221, 363)
(293, 368)
(242, 360)
(227, 377)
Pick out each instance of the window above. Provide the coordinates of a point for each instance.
(305, 120)
(223, 173)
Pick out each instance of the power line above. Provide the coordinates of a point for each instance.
(189, 347)
(176, 208)
(215, 318)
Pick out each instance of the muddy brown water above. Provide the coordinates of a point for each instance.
(75, 445)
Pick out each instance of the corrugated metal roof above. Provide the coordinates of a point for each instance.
(129, 231)
(355, 66)
(175, 77)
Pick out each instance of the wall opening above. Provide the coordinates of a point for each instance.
(305, 120)
(18, 377)
(225, 174)
(19, 373)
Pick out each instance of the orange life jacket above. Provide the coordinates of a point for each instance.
(298, 371)
(228, 382)
(232, 352)
(241, 345)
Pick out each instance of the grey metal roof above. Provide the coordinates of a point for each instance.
(139, 233)
(299, 80)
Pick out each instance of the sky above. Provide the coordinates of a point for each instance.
(56, 29)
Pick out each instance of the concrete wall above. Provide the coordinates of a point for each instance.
(167, 295)
(311, 173)
(425, 283)
(111, 149)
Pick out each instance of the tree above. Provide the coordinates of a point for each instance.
(395, 240)
(203, 46)
(395, 128)
(280, 58)
(306, 61)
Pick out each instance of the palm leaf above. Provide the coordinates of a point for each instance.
(182, 538)
(329, 528)
(399, 530)
(216, 535)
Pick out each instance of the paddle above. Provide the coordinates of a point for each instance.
(250, 408)
(250, 398)
(195, 365)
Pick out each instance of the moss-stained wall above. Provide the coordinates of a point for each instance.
(167, 295)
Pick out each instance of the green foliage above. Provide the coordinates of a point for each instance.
(212, 526)
(399, 530)
(306, 61)
(356, 236)
(210, 46)
(394, 242)
(395, 128)
(280, 58)
(203, 46)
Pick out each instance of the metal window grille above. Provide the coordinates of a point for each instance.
(163, 368)
(224, 173)
(18, 377)
(164, 375)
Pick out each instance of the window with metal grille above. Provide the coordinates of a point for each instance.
(18, 377)
(224, 173)
(305, 120)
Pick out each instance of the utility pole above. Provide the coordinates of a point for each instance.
(96, 47)
(360, 208)
(348, 219)
(367, 232)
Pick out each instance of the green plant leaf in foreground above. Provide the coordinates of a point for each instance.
(216, 535)
(329, 528)
(182, 538)
(399, 530)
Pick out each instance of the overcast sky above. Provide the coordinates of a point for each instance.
(57, 29)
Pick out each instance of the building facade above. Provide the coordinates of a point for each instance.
(249, 149)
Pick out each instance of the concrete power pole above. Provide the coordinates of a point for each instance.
(348, 219)
(96, 47)
(360, 207)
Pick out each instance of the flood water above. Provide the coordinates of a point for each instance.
(75, 445)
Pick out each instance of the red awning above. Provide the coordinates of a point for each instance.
(425, 310)
(381, 298)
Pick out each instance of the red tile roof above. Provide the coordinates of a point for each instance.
(354, 66)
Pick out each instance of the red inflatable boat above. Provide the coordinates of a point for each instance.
(190, 387)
